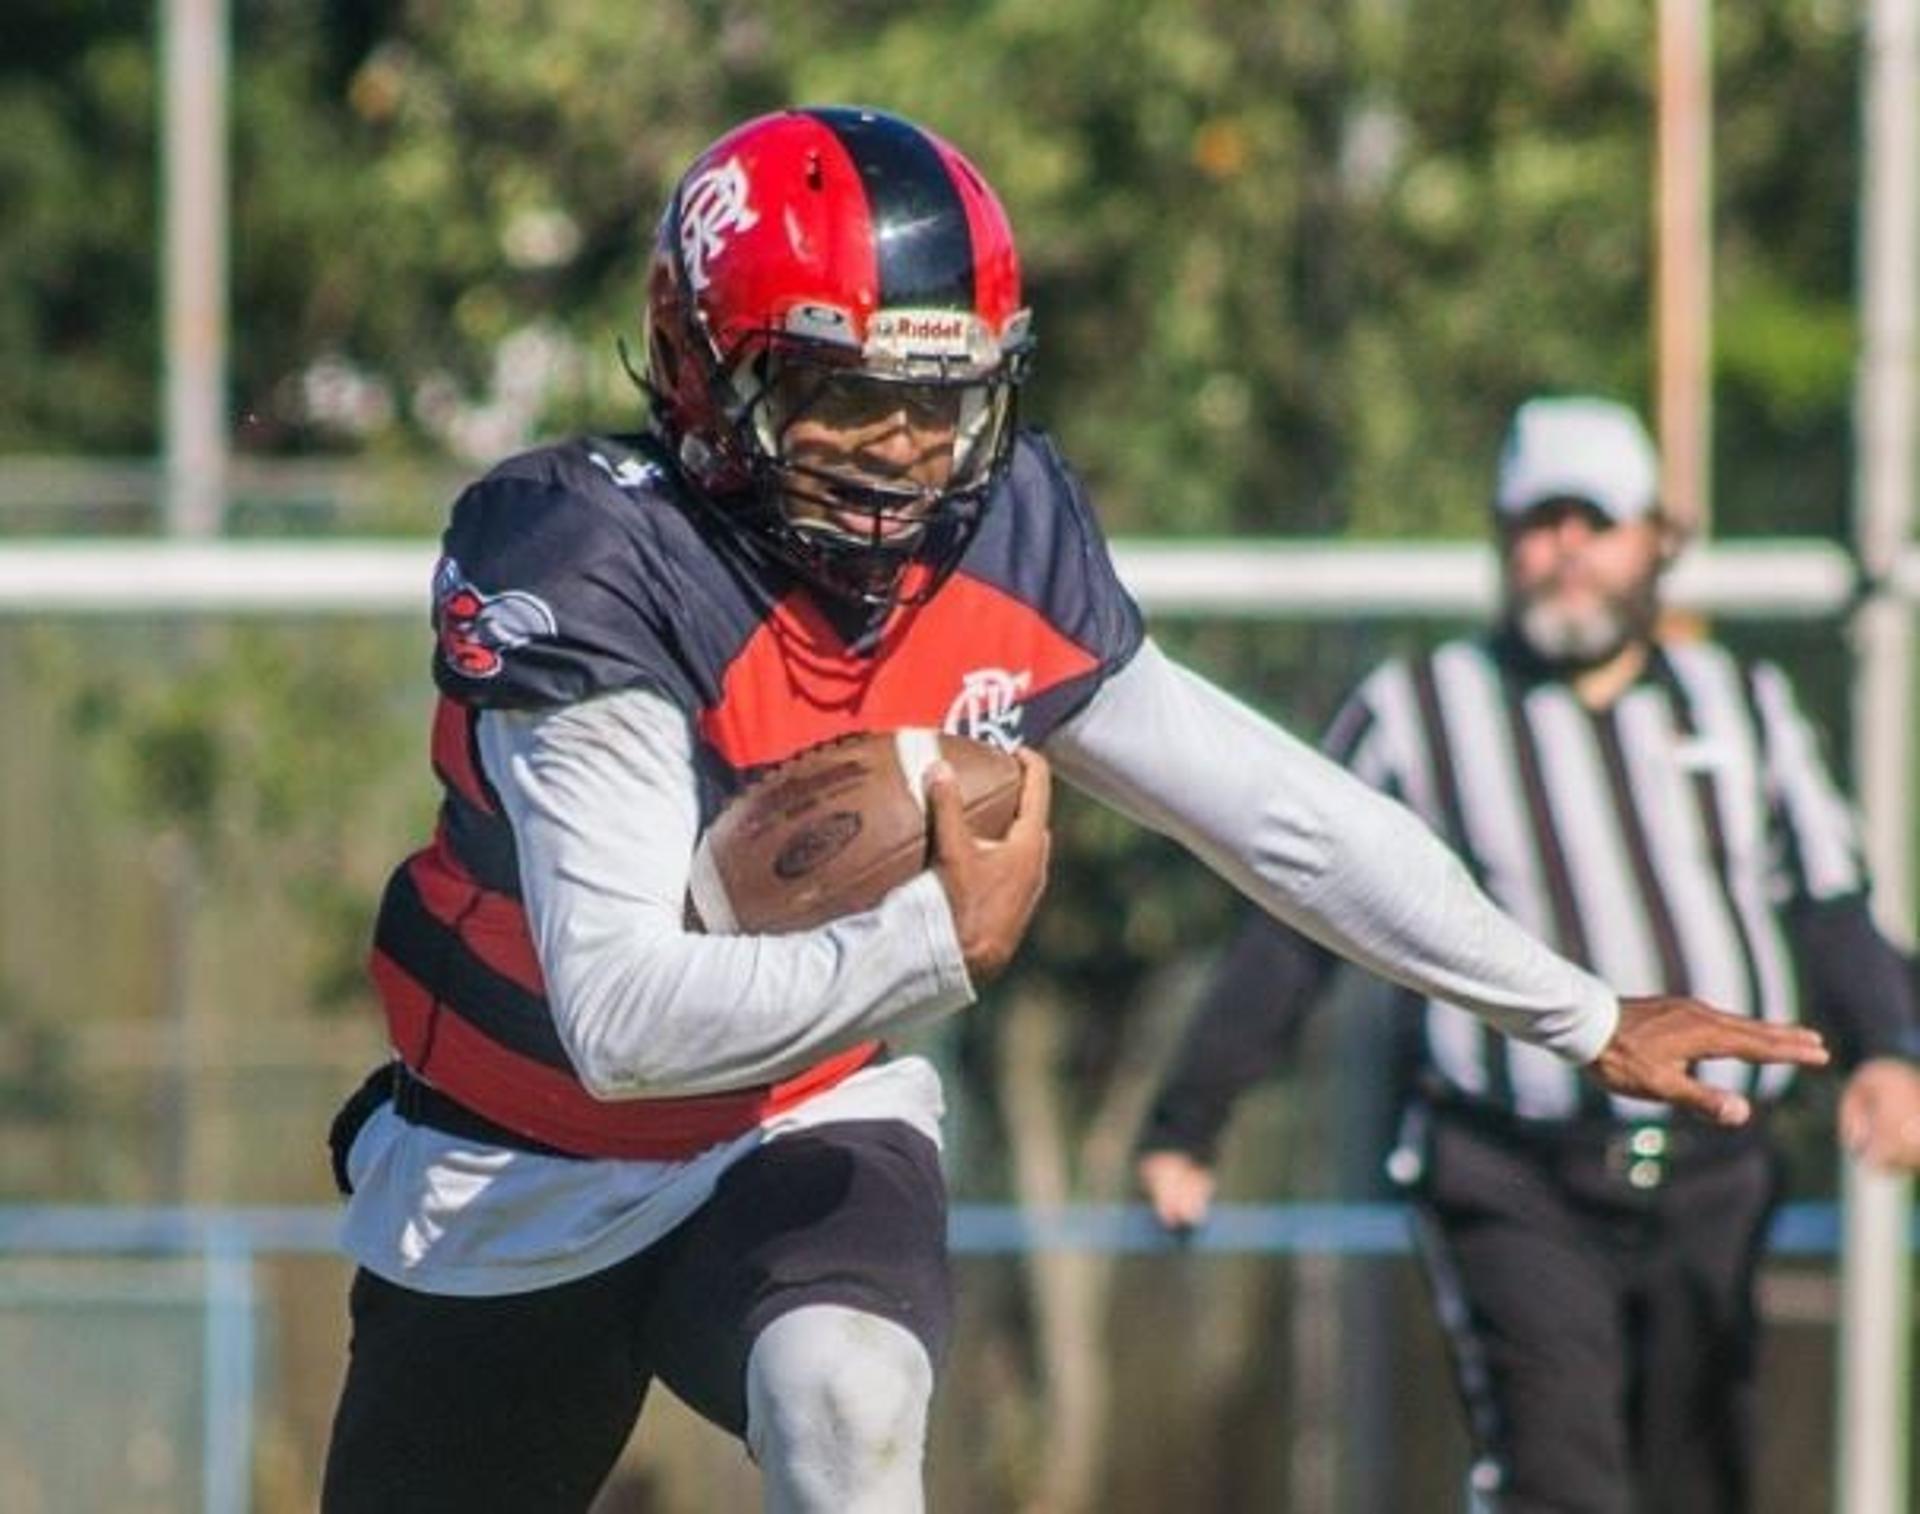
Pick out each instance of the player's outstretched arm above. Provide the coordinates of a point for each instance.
(992, 887)
(1658, 1039)
(1361, 875)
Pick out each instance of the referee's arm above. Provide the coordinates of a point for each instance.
(1859, 985)
(1246, 1026)
(1857, 981)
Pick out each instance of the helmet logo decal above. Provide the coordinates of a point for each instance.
(712, 208)
(988, 707)
(476, 629)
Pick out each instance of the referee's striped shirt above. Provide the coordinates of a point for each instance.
(1684, 839)
(1653, 842)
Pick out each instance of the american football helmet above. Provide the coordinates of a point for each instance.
(835, 340)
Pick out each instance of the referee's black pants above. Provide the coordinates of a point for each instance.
(1599, 1302)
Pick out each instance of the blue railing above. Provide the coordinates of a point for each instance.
(227, 1242)
(1804, 1229)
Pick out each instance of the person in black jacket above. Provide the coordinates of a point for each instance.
(1661, 813)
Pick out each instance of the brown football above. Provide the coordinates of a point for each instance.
(832, 829)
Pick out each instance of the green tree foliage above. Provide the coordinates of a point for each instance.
(77, 212)
(1292, 264)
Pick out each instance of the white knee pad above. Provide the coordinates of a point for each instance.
(837, 1413)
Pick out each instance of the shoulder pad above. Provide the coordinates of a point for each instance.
(548, 588)
(1042, 543)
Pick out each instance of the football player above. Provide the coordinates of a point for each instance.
(610, 1149)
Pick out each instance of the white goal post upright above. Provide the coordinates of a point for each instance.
(1683, 260)
(1873, 1424)
(194, 241)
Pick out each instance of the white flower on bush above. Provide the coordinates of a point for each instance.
(535, 239)
(332, 393)
(530, 366)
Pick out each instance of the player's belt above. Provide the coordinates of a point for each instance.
(421, 1103)
(418, 1103)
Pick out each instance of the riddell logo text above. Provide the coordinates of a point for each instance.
(942, 330)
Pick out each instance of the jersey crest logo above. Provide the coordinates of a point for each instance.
(712, 209)
(476, 630)
(988, 707)
(628, 473)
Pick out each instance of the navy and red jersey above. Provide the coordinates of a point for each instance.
(588, 568)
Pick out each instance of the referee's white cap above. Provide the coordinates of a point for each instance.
(1577, 447)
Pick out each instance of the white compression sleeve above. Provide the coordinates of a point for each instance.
(1320, 850)
(602, 800)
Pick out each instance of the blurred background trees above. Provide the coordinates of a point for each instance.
(1292, 265)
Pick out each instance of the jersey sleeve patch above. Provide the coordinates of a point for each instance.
(543, 596)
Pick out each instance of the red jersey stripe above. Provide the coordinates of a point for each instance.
(553, 1108)
(453, 755)
(796, 683)
(491, 925)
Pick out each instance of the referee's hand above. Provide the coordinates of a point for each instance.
(1179, 1187)
(1658, 1040)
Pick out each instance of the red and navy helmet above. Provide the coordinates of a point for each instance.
(827, 262)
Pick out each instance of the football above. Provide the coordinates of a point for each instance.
(832, 829)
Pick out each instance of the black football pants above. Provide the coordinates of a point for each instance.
(1603, 1330)
(521, 1404)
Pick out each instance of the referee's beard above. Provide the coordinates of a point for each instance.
(1572, 638)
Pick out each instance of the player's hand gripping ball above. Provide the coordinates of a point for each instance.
(830, 831)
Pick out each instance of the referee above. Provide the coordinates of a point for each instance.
(1662, 815)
